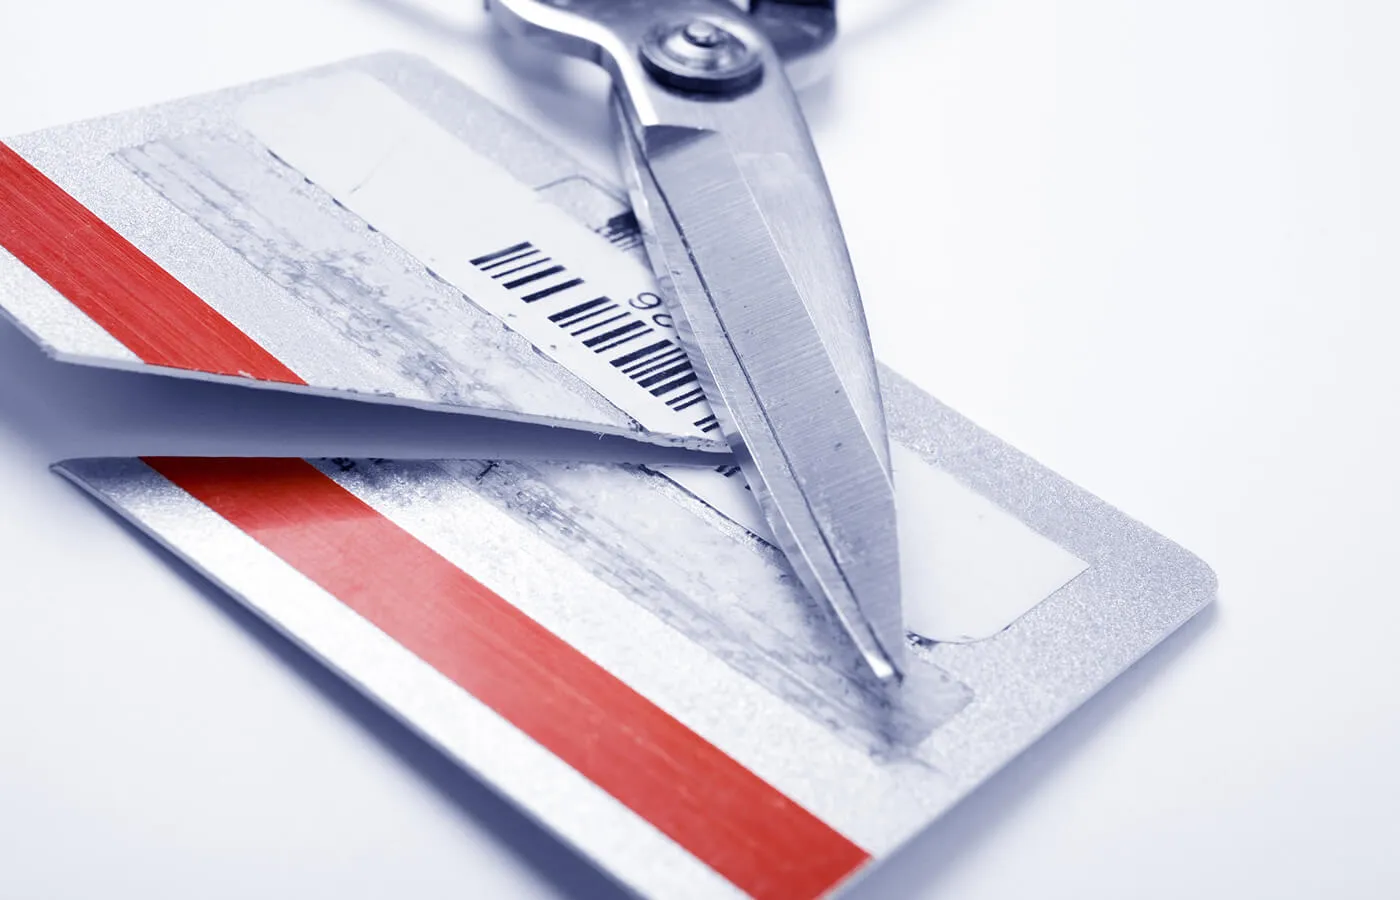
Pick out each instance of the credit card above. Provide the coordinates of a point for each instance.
(617, 649)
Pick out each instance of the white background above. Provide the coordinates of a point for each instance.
(1151, 243)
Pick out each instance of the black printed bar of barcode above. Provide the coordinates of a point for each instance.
(506, 273)
(601, 324)
(530, 277)
(638, 371)
(688, 378)
(606, 338)
(567, 318)
(482, 262)
(663, 375)
(641, 357)
(687, 400)
(552, 290)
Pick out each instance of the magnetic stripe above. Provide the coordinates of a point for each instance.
(120, 288)
(719, 811)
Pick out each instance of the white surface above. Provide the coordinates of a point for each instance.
(1150, 243)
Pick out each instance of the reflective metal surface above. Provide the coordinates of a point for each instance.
(743, 235)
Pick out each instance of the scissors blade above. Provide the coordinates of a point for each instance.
(777, 337)
(745, 240)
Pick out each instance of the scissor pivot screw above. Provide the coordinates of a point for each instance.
(703, 34)
(701, 55)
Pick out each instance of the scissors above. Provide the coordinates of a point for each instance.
(743, 235)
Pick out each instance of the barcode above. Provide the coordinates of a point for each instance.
(624, 333)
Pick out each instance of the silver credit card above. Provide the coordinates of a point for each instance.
(617, 649)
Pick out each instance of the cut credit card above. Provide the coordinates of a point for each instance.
(616, 648)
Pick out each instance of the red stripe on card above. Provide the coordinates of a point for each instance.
(120, 288)
(719, 811)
